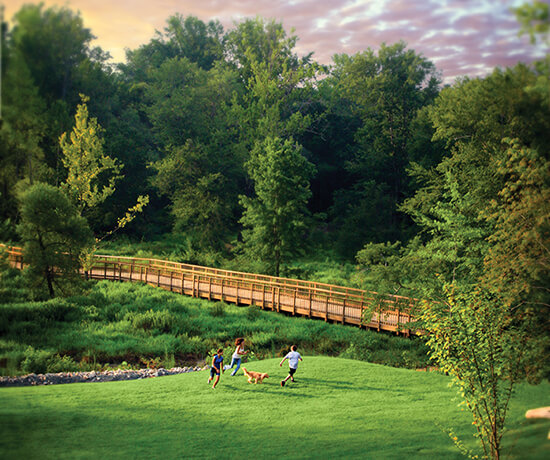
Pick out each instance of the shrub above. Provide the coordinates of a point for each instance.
(218, 310)
(36, 361)
(355, 352)
(253, 313)
(163, 321)
(263, 339)
(193, 345)
(55, 309)
(64, 363)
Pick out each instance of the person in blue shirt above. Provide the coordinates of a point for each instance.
(217, 367)
(293, 357)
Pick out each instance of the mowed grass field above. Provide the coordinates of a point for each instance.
(337, 408)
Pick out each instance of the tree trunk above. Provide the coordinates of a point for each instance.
(49, 280)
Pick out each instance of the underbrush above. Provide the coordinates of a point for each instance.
(176, 248)
(138, 325)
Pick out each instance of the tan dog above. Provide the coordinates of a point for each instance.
(255, 376)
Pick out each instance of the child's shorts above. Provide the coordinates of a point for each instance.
(214, 372)
(291, 371)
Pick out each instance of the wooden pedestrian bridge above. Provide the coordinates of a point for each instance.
(296, 297)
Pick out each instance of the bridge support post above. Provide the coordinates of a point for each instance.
(398, 321)
(344, 312)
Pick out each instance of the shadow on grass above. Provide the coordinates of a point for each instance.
(309, 383)
(273, 388)
(339, 385)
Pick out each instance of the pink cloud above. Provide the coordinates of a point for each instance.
(461, 36)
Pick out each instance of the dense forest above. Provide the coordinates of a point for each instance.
(252, 156)
(240, 144)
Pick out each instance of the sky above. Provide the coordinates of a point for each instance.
(461, 37)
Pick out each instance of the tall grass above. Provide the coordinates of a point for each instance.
(134, 323)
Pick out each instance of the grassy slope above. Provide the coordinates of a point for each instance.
(118, 322)
(337, 408)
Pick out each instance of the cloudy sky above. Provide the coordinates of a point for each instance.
(461, 37)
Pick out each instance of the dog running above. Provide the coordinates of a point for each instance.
(256, 376)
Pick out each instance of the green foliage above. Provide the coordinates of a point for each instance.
(162, 321)
(534, 19)
(385, 91)
(201, 165)
(201, 204)
(253, 313)
(22, 132)
(53, 42)
(452, 204)
(86, 162)
(87, 167)
(218, 309)
(263, 52)
(191, 38)
(517, 262)
(276, 219)
(483, 202)
(41, 362)
(50, 47)
(54, 236)
(474, 338)
(12, 287)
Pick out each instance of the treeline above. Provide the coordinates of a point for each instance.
(234, 137)
(256, 154)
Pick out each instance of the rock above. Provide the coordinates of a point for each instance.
(541, 412)
(93, 376)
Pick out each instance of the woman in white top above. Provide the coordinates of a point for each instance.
(237, 355)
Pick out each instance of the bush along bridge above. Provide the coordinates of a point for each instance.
(296, 297)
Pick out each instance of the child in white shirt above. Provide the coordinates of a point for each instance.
(293, 357)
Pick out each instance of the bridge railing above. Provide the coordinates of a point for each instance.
(298, 297)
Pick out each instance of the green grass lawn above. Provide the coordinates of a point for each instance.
(337, 408)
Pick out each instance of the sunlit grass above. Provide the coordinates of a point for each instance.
(337, 408)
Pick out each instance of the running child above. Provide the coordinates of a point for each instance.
(293, 357)
(217, 367)
(237, 355)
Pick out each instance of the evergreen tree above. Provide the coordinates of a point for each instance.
(53, 235)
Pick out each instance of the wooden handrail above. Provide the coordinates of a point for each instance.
(308, 298)
(244, 276)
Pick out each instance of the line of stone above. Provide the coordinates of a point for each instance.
(93, 376)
